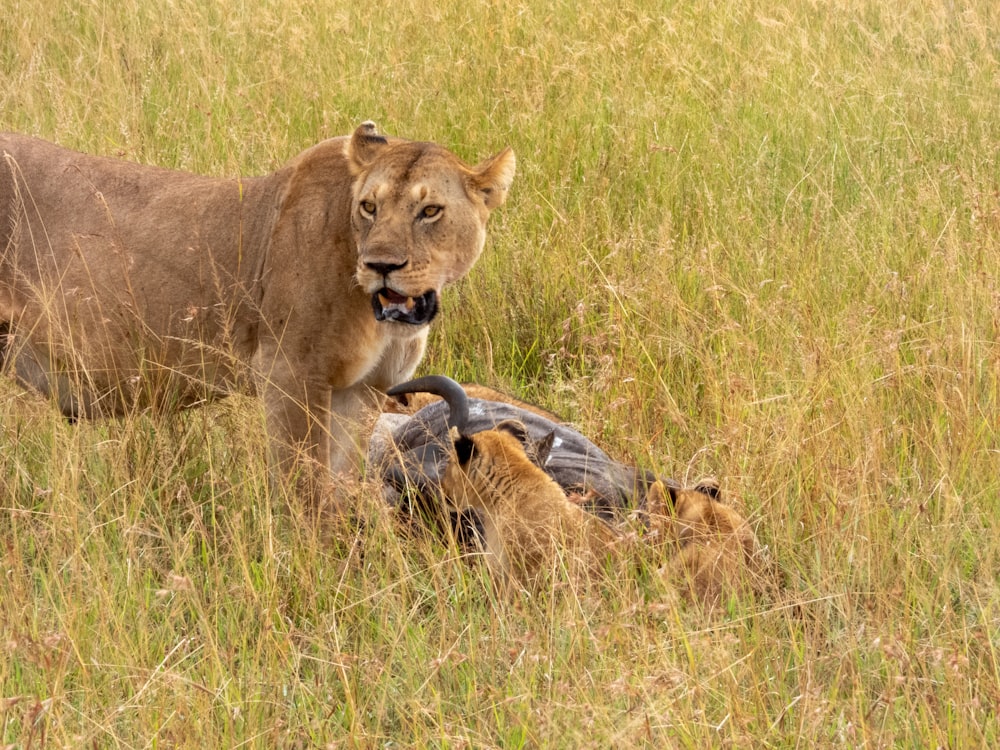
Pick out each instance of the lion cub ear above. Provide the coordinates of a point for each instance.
(711, 488)
(514, 427)
(366, 142)
(492, 178)
(465, 449)
(543, 448)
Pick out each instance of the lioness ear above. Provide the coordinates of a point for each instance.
(365, 145)
(492, 178)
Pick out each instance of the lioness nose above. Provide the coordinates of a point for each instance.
(384, 269)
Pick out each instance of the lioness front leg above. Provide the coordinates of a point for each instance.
(296, 417)
(352, 414)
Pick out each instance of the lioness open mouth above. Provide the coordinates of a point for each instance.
(417, 311)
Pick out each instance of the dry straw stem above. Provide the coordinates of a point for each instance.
(754, 241)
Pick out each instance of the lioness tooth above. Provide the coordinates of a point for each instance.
(383, 299)
(410, 303)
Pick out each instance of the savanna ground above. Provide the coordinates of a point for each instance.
(759, 241)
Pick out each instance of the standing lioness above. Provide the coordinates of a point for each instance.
(125, 286)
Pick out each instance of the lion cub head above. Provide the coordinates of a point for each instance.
(494, 467)
(419, 218)
(717, 551)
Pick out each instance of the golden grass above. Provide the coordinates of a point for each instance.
(754, 241)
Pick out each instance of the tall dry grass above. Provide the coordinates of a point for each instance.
(759, 241)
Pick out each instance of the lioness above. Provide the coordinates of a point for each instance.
(125, 286)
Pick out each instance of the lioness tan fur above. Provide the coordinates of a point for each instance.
(125, 286)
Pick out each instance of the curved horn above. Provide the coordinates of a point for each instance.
(446, 388)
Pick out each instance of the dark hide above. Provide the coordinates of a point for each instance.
(412, 470)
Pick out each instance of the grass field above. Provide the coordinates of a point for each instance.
(759, 241)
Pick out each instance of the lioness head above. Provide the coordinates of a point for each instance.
(419, 218)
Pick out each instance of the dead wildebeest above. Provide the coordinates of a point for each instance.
(513, 469)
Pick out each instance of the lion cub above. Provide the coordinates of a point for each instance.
(529, 524)
(718, 551)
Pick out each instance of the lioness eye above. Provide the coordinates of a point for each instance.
(368, 208)
(430, 212)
